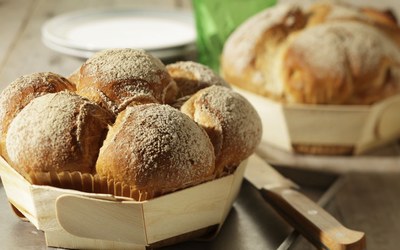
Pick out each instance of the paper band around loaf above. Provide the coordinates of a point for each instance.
(88, 182)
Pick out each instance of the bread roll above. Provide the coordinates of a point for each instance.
(231, 122)
(74, 77)
(123, 139)
(190, 77)
(328, 54)
(116, 78)
(155, 149)
(22, 91)
(56, 133)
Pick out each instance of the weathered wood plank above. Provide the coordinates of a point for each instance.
(13, 16)
(370, 202)
(28, 54)
(184, 4)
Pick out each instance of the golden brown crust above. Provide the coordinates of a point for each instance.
(348, 68)
(74, 77)
(190, 77)
(251, 51)
(117, 78)
(156, 149)
(232, 124)
(55, 133)
(324, 12)
(22, 91)
(62, 139)
(326, 54)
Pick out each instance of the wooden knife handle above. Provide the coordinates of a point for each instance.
(317, 225)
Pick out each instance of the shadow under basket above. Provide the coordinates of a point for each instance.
(327, 129)
(81, 220)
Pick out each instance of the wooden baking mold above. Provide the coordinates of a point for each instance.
(80, 220)
(363, 127)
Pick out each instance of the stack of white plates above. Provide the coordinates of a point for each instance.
(164, 33)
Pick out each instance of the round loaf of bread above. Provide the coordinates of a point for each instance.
(230, 121)
(190, 77)
(328, 54)
(155, 149)
(22, 91)
(56, 133)
(116, 78)
(354, 64)
(323, 54)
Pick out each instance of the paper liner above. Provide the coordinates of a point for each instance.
(97, 184)
(70, 180)
(83, 182)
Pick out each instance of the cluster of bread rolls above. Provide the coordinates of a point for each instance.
(125, 124)
(326, 53)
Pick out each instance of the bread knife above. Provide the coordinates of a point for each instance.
(311, 220)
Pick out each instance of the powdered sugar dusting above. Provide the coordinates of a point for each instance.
(240, 123)
(242, 42)
(200, 72)
(126, 75)
(50, 128)
(161, 146)
(24, 89)
(330, 47)
(344, 11)
(37, 81)
(121, 64)
(27, 87)
(332, 44)
(190, 77)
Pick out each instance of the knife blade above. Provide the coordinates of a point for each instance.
(311, 220)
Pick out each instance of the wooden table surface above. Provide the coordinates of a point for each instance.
(368, 201)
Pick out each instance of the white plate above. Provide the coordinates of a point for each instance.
(163, 54)
(94, 30)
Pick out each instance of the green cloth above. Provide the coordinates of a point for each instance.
(215, 21)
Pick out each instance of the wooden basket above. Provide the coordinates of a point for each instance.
(74, 219)
(362, 127)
